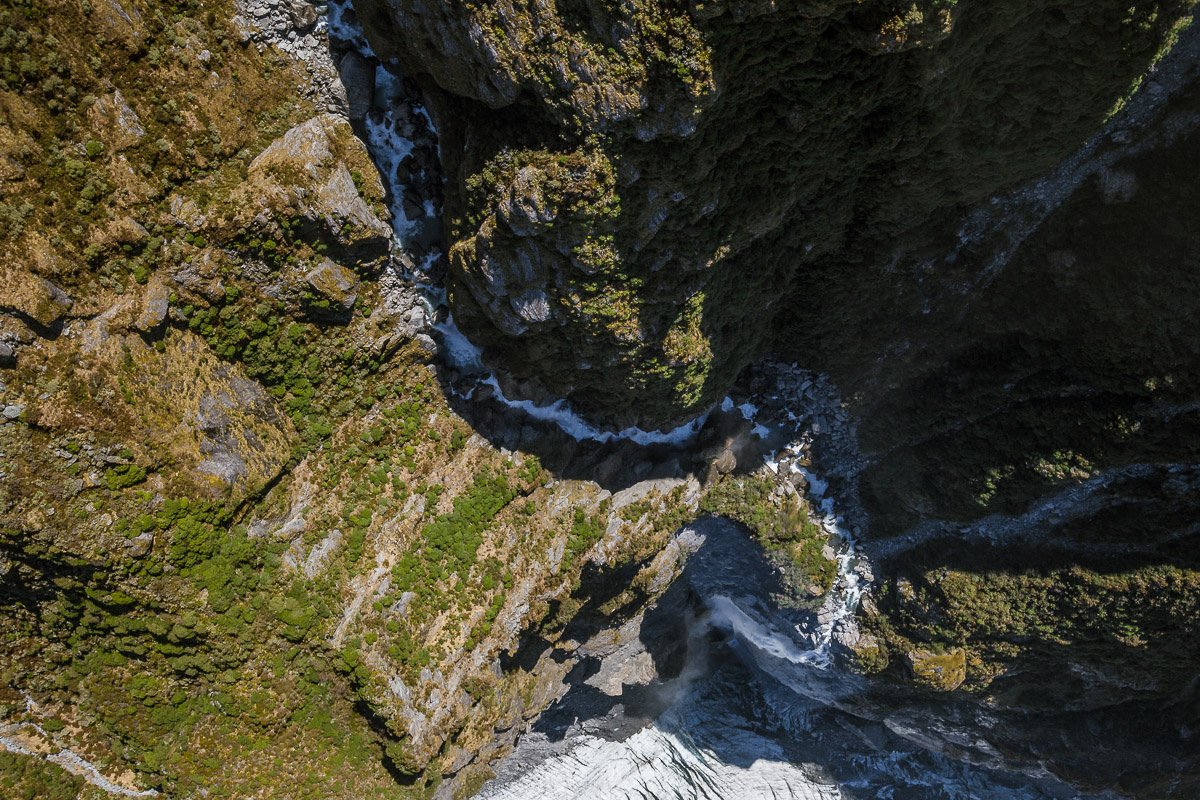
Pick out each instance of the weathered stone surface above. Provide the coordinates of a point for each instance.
(942, 671)
(318, 558)
(312, 168)
(303, 14)
(32, 296)
(725, 462)
(117, 124)
(334, 283)
(120, 22)
(358, 76)
(140, 545)
(221, 432)
(155, 304)
(532, 305)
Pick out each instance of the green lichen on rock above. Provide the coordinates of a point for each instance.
(944, 672)
(774, 512)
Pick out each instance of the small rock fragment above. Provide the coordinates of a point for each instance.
(155, 304)
(941, 671)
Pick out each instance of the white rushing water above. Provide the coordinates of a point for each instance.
(727, 614)
(561, 414)
(849, 585)
(653, 763)
(388, 148)
(775, 724)
(656, 763)
(701, 750)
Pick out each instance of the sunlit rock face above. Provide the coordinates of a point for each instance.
(637, 192)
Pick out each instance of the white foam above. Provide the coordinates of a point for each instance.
(848, 589)
(560, 413)
(388, 148)
(459, 351)
(816, 486)
(465, 355)
(728, 615)
(339, 26)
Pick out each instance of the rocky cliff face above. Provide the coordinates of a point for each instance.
(1031, 453)
(248, 545)
(976, 216)
(640, 194)
(241, 515)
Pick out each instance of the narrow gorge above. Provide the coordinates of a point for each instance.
(583, 399)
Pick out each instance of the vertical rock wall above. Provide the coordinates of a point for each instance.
(638, 191)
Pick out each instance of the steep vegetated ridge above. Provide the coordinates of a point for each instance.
(637, 190)
(190, 240)
(246, 547)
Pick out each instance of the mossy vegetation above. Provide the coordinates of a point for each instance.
(585, 532)
(87, 156)
(943, 671)
(1018, 624)
(842, 138)
(779, 521)
(158, 674)
(24, 778)
(139, 606)
(123, 475)
(327, 618)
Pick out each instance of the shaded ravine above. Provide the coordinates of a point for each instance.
(766, 715)
(767, 707)
(388, 148)
(764, 709)
(1039, 523)
(1008, 219)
